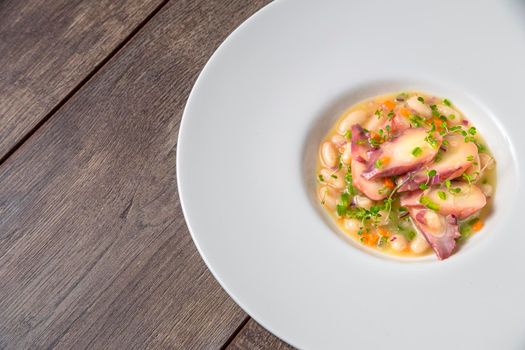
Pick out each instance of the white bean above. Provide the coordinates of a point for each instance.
(328, 197)
(333, 179)
(355, 117)
(329, 154)
(352, 225)
(374, 123)
(398, 242)
(363, 202)
(487, 190)
(339, 140)
(419, 107)
(419, 244)
(346, 157)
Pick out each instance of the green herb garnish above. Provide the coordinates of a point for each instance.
(410, 235)
(435, 112)
(431, 140)
(416, 120)
(442, 195)
(447, 102)
(416, 152)
(427, 202)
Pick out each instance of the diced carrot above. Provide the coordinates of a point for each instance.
(405, 112)
(388, 182)
(385, 160)
(381, 231)
(437, 123)
(389, 105)
(478, 225)
(372, 240)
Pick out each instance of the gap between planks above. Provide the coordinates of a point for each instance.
(76, 88)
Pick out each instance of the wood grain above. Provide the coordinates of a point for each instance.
(49, 47)
(94, 251)
(254, 337)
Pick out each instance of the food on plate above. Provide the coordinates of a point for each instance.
(406, 174)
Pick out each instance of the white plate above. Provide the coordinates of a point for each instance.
(248, 143)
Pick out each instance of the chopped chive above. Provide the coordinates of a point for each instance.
(473, 221)
(432, 173)
(348, 134)
(447, 102)
(431, 140)
(427, 202)
(410, 235)
(416, 152)
(470, 158)
(442, 195)
(334, 176)
(421, 99)
(423, 186)
(321, 178)
(472, 130)
(452, 117)
(378, 164)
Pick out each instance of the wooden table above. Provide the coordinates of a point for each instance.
(94, 250)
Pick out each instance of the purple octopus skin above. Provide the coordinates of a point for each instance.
(412, 180)
(444, 242)
(360, 146)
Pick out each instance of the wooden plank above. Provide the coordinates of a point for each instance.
(94, 251)
(254, 337)
(49, 47)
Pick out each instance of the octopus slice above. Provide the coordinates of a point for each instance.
(373, 189)
(454, 161)
(440, 231)
(461, 199)
(409, 151)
